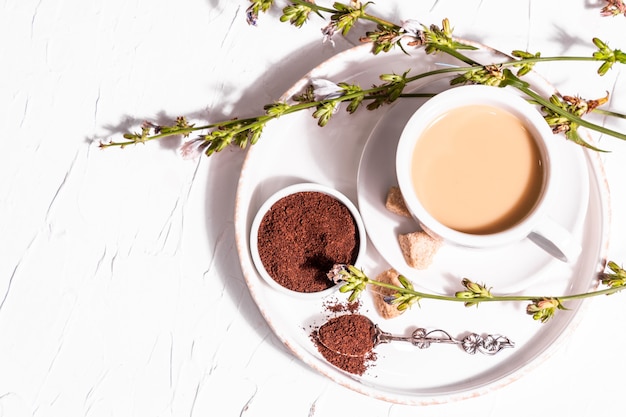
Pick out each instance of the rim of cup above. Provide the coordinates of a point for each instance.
(463, 96)
(294, 189)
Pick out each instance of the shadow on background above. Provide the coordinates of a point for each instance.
(222, 189)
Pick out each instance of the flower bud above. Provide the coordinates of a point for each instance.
(464, 294)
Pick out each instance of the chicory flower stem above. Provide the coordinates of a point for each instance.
(496, 298)
(573, 118)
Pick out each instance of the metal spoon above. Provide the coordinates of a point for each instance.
(420, 337)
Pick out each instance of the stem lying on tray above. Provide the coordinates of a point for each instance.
(542, 307)
(564, 114)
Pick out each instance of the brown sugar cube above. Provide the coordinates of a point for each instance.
(418, 248)
(386, 310)
(395, 202)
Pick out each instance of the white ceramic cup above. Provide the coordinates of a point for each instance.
(536, 225)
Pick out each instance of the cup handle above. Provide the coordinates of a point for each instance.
(556, 240)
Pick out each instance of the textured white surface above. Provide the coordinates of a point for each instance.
(120, 287)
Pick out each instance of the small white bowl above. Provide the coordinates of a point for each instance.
(284, 192)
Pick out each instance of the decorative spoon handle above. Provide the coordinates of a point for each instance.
(472, 343)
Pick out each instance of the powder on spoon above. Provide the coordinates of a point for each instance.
(347, 341)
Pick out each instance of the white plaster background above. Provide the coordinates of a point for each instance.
(120, 288)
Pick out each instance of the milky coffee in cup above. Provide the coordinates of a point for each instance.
(477, 169)
(474, 165)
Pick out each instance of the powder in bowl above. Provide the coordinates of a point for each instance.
(298, 238)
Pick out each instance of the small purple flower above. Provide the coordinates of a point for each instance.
(389, 299)
(192, 149)
(411, 28)
(251, 16)
(336, 274)
(328, 31)
(325, 89)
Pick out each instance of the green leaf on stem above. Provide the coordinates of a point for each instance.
(525, 67)
(575, 106)
(608, 55)
(616, 278)
(276, 109)
(440, 39)
(347, 15)
(324, 112)
(384, 38)
(296, 14)
(543, 309)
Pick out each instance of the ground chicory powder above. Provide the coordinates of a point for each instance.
(347, 341)
(302, 236)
